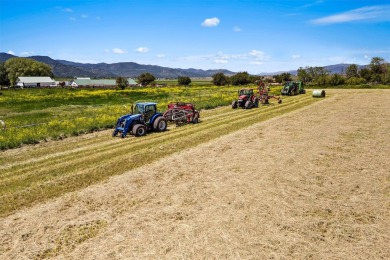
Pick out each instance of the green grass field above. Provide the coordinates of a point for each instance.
(35, 115)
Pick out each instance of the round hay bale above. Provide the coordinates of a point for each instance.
(319, 93)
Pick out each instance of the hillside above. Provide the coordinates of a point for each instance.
(333, 69)
(63, 68)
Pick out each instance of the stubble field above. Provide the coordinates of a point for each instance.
(312, 182)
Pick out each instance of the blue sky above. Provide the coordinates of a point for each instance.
(243, 35)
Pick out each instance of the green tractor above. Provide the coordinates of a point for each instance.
(292, 88)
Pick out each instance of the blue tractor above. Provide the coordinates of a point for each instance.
(143, 118)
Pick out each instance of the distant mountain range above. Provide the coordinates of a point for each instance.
(69, 69)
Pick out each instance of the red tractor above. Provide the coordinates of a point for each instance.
(246, 99)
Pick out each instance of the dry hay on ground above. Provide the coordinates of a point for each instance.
(313, 183)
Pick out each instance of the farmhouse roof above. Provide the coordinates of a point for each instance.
(131, 81)
(28, 80)
(95, 82)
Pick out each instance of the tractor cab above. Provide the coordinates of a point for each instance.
(245, 93)
(147, 109)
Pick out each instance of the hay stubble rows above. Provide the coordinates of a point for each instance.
(296, 183)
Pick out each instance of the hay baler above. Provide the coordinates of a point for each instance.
(292, 88)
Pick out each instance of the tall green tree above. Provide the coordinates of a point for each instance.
(220, 79)
(303, 75)
(184, 81)
(285, 76)
(379, 70)
(241, 78)
(336, 79)
(352, 71)
(4, 81)
(146, 78)
(121, 82)
(377, 65)
(366, 74)
(17, 67)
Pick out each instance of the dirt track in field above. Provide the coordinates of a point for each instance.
(313, 183)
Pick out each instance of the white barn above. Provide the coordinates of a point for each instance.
(35, 82)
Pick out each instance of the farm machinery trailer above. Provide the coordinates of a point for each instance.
(182, 113)
(143, 118)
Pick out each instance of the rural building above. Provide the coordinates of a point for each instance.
(31, 82)
(132, 82)
(88, 82)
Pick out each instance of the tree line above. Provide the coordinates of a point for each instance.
(18, 67)
(377, 72)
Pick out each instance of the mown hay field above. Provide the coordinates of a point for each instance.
(305, 179)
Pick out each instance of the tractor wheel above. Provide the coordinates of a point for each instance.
(280, 101)
(256, 102)
(139, 130)
(160, 124)
(234, 104)
(248, 104)
(114, 133)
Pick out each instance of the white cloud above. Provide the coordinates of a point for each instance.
(68, 10)
(221, 61)
(236, 29)
(161, 55)
(11, 52)
(97, 17)
(296, 56)
(84, 16)
(142, 50)
(72, 18)
(366, 57)
(118, 51)
(256, 62)
(211, 22)
(368, 13)
(312, 4)
(258, 55)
